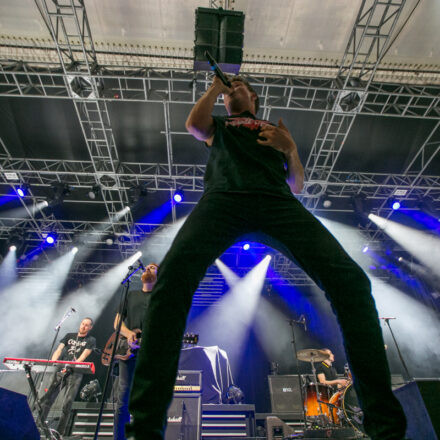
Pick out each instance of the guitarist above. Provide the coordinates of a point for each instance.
(137, 303)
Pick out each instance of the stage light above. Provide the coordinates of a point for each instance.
(12, 248)
(74, 250)
(60, 191)
(365, 249)
(246, 246)
(93, 193)
(137, 193)
(51, 239)
(396, 205)
(178, 196)
(22, 190)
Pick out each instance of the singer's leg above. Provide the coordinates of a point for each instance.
(348, 288)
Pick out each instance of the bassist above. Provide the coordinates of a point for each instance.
(137, 303)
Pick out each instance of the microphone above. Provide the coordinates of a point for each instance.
(387, 318)
(72, 310)
(303, 322)
(141, 265)
(216, 69)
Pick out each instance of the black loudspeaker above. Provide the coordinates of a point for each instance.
(221, 33)
(285, 395)
(421, 402)
(16, 421)
(184, 417)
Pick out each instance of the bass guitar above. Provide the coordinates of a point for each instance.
(125, 351)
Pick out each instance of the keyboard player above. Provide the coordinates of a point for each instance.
(73, 347)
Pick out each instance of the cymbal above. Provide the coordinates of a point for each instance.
(311, 354)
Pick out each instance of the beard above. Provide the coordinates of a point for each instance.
(148, 277)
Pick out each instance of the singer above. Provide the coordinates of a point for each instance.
(137, 304)
(252, 172)
(72, 347)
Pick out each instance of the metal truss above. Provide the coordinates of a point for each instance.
(171, 86)
(370, 35)
(68, 25)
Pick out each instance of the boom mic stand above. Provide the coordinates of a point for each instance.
(387, 322)
(291, 322)
(122, 308)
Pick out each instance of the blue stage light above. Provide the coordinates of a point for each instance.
(22, 190)
(178, 196)
(246, 246)
(396, 206)
(51, 239)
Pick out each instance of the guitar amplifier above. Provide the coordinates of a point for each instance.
(188, 381)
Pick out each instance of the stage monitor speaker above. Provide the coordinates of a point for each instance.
(421, 403)
(16, 421)
(276, 429)
(220, 32)
(285, 395)
(184, 417)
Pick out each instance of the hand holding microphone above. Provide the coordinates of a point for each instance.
(216, 69)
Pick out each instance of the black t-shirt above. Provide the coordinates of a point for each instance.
(137, 303)
(238, 163)
(328, 371)
(75, 345)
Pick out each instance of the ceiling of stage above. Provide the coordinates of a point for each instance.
(293, 50)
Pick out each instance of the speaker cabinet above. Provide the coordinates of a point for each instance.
(285, 395)
(184, 416)
(421, 403)
(16, 421)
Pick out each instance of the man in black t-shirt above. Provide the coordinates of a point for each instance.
(137, 304)
(252, 171)
(326, 372)
(73, 347)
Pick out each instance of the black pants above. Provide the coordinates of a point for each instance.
(122, 416)
(213, 226)
(59, 381)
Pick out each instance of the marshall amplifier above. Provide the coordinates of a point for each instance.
(188, 381)
(184, 417)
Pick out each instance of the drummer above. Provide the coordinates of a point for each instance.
(327, 374)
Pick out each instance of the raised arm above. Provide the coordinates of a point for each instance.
(200, 122)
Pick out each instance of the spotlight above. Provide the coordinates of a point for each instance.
(327, 203)
(350, 101)
(12, 248)
(246, 246)
(365, 249)
(396, 205)
(74, 250)
(60, 190)
(178, 196)
(91, 391)
(234, 395)
(96, 189)
(136, 193)
(400, 259)
(51, 239)
(22, 190)
(16, 240)
(109, 240)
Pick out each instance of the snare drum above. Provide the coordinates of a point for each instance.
(311, 401)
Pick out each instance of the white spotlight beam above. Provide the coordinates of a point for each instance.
(91, 299)
(231, 277)
(425, 247)
(8, 269)
(227, 323)
(28, 306)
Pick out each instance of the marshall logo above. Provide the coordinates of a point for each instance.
(175, 419)
(181, 377)
(287, 390)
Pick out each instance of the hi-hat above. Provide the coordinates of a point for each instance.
(312, 355)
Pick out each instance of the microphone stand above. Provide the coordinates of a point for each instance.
(122, 308)
(57, 330)
(291, 321)
(387, 322)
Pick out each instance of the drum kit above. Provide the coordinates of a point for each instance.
(324, 408)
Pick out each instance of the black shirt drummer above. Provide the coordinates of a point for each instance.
(327, 374)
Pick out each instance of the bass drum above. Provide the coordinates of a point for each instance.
(346, 409)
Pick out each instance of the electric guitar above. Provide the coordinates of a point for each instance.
(125, 351)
